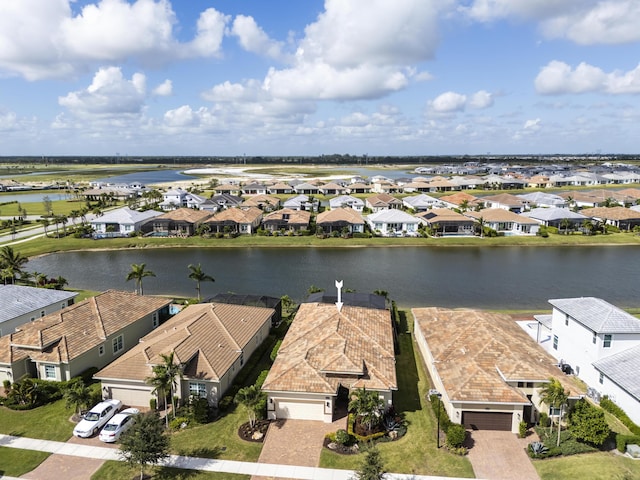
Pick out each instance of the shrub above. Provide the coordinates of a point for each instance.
(543, 232)
(179, 423)
(225, 403)
(444, 417)
(200, 410)
(537, 449)
(153, 404)
(620, 414)
(587, 423)
(261, 378)
(522, 429)
(623, 440)
(342, 437)
(274, 350)
(544, 420)
(456, 435)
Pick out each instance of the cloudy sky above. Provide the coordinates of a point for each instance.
(309, 77)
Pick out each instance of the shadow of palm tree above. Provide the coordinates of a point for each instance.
(204, 452)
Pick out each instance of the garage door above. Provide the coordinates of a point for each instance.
(300, 410)
(487, 420)
(131, 397)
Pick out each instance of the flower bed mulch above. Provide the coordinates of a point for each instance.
(255, 434)
(341, 449)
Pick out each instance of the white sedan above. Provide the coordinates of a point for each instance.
(118, 424)
(95, 418)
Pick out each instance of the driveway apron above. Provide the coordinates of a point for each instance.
(498, 455)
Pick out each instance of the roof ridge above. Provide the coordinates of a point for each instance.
(100, 324)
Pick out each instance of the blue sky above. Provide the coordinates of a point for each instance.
(285, 77)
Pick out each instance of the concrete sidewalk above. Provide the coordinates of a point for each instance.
(193, 463)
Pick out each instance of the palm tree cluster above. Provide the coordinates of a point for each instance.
(554, 395)
(165, 381)
(139, 272)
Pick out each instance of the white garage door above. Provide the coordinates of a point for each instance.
(300, 410)
(131, 397)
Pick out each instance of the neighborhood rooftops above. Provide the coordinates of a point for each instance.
(597, 315)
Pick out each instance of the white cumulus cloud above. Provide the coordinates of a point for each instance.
(560, 78)
(450, 102)
(254, 39)
(164, 89)
(110, 93)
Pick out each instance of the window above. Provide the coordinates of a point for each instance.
(197, 389)
(555, 342)
(601, 378)
(593, 339)
(607, 341)
(50, 372)
(566, 320)
(154, 320)
(242, 359)
(42, 313)
(63, 305)
(118, 344)
(101, 350)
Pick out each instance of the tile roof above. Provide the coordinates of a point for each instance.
(207, 338)
(622, 368)
(476, 351)
(125, 215)
(237, 215)
(611, 213)
(500, 215)
(392, 215)
(436, 215)
(597, 315)
(325, 348)
(458, 198)
(382, 199)
(505, 199)
(184, 215)
(553, 213)
(68, 333)
(295, 217)
(18, 300)
(344, 214)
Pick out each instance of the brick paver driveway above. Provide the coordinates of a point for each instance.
(296, 442)
(500, 456)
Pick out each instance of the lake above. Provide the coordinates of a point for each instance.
(479, 277)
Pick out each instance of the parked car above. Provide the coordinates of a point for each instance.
(95, 418)
(119, 423)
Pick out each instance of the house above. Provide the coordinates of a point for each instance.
(541, 199)
(339, 219)
(561, 218)
(421, 203)
(506, 201)
(252, 301)
(21, 304)
(461, 200)
(621, 217)
(505, 222)
(416, 186)
(254, 189)
(393, 223)
(346, 201)
(241, 220)
(445, 222)
(229, 189)
(332, 188)
(329, 351)
(181, 222)
(306, 189)
(302, 202)
(226, 200)
(122, 222)
(597, 341)
(287, 220)
(280, 188)
(266, 203)
(382, 201)
(179, 198)
(488, 371)
(211, 341)
(358, 187)
(90, 333)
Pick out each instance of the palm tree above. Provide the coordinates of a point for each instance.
(251, 398)
(161, 386)
(367, 405)
(77, 395)
(481, 224)
(554, 395)
(565, 223)
(199, 276)
(11, 262)
(173, 371)
(45, 223)
(137, 273)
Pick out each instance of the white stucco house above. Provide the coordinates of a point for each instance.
(346, 201)
(122, 222)
(601, 344)
(394, 222)
(22, 304)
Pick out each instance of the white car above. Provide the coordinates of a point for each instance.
(118, 424)
(95, 418)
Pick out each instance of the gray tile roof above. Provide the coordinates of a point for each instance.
(622, 368)
(16, 300)
(597, 315)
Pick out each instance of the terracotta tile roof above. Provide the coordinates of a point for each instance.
(261, 199)
(458, 198)
(611, 213)
(325, 348)
(208, 338)
(382, 199)
(436, 215)
(345, 214)
(68, 333)
(500, 215)
(184, 215)
(473, 350)
(504, 199)
(237, 214)
(296, 217)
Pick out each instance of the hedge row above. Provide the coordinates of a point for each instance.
(620, 414)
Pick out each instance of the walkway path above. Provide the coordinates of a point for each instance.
(193, 463)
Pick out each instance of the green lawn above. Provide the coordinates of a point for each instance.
(15, 462)
(416, 452)
(112, 470)
(59, 207)
(49, 422)
(592, 466)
